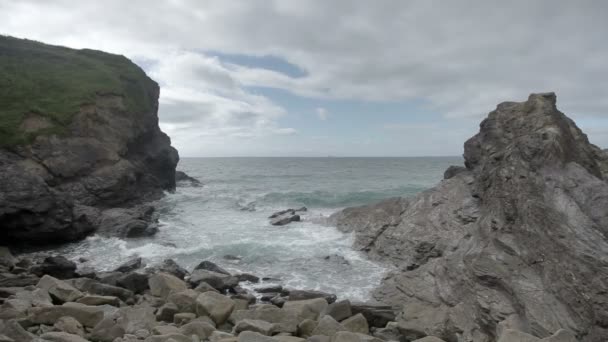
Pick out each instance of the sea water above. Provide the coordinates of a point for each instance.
(227, 215)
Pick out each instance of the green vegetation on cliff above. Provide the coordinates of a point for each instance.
(55, 82)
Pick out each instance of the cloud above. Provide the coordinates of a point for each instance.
(322, 113)
(455, 58)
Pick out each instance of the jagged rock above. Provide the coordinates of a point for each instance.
(59, 290)
(561, 335)
(111, 151)
(510, 335)
(214, 305)
(17, 280)
(286, 321)
(523, 231)
(306, 327)
(182, 177)
(204, 287)
(171, 267)
(162, 284)
(13, 330)
(131, 265)
(241, 277)
(210, 266)
(258, 326)
(285, 219)
(110, 278)
(218, 281)
(201, 329)
(184, 300)
(453, 171)
(166, 312)
(127, 222)
(377, 315)
(55, 266)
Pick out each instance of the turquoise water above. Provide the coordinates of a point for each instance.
(228, 215)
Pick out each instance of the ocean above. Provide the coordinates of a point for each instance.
(228, 216)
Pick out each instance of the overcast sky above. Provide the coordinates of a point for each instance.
(341, 78)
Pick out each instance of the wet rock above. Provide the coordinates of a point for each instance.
(210, 266)
(55, 266)
(131, 265)
(285, 219)
(171, 267)
(128, 222)
(110, 278)
(218, 281)
(339, 310)
(182, 178)
(377, 315)
(241, 277)
(453, 170)
(232, 257)
(310, 294)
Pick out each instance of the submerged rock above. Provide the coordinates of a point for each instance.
(182, 177)
(523, 230)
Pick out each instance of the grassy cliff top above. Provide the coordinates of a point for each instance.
(55, 82)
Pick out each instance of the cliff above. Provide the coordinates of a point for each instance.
(516, 240)
(78, 135)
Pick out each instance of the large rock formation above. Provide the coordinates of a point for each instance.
(78, 134)
(517, 240)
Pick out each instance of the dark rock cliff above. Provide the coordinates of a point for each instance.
(517, 240)
(78, 136)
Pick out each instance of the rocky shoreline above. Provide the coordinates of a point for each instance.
(50, 298)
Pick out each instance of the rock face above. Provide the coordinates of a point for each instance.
(518, 240)
(87, 142)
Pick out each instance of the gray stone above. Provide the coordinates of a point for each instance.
(130, 265)
(62, 337)
(258, 326)
(88, 316)
(134, 281)
(221, 336)
(165, 330)
(339, 310)
(306, 327)
(309, 294)
(183, 317)
(59, 290)
(218, 281)
(328, 326)
(212, 267)
(286, 321)
(55, 266)
(214, 305)
(356, 324)
(250, 336)
(127, 320)
(562, 335)
(166, 312)
(14, 331)
(347, 336)
(430, 339)
(510, 335)
(201, 329)
(94, 287)
(6, 258)
(306, 309)
(99, 300)
(184, 300)
(162, 284)
(175, 337)
(69, 325)
(285, 219)
(171, 267)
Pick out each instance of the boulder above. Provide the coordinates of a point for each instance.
(258, 326)
(69, 325)
(55, 266)
(165, 330)
(218, 281)
(247, 277)
(183, 318)
(328, 326)
(377, 315)
(250, 336)
(287, 321)
(35, 297)
(130, 265)
(133, 222)
(87, 315)
(6, 258)
(510, 335)
(62, 337)
(356, 324)
(306, 327)
(15, 332)
(174, 337)
(99, 300)
(162, 284)
(127, 320)
(184, 300)
(306, 309)
(453, 170)
(17, 280)
(171, 267)
(59, 290)
(204, 287)
(201, 329)
(309, 294)
(347, 336)
(94, 287)
(182, 178)
(339, 310)
(210, 266)
(134, 281)
(562, 335)
(109, 278)
(214, 305)
(284, 219)
(166, 312)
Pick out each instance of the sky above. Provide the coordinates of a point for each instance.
(340, 77)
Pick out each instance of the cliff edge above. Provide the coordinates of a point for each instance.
(79, 137)
(517, 239)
